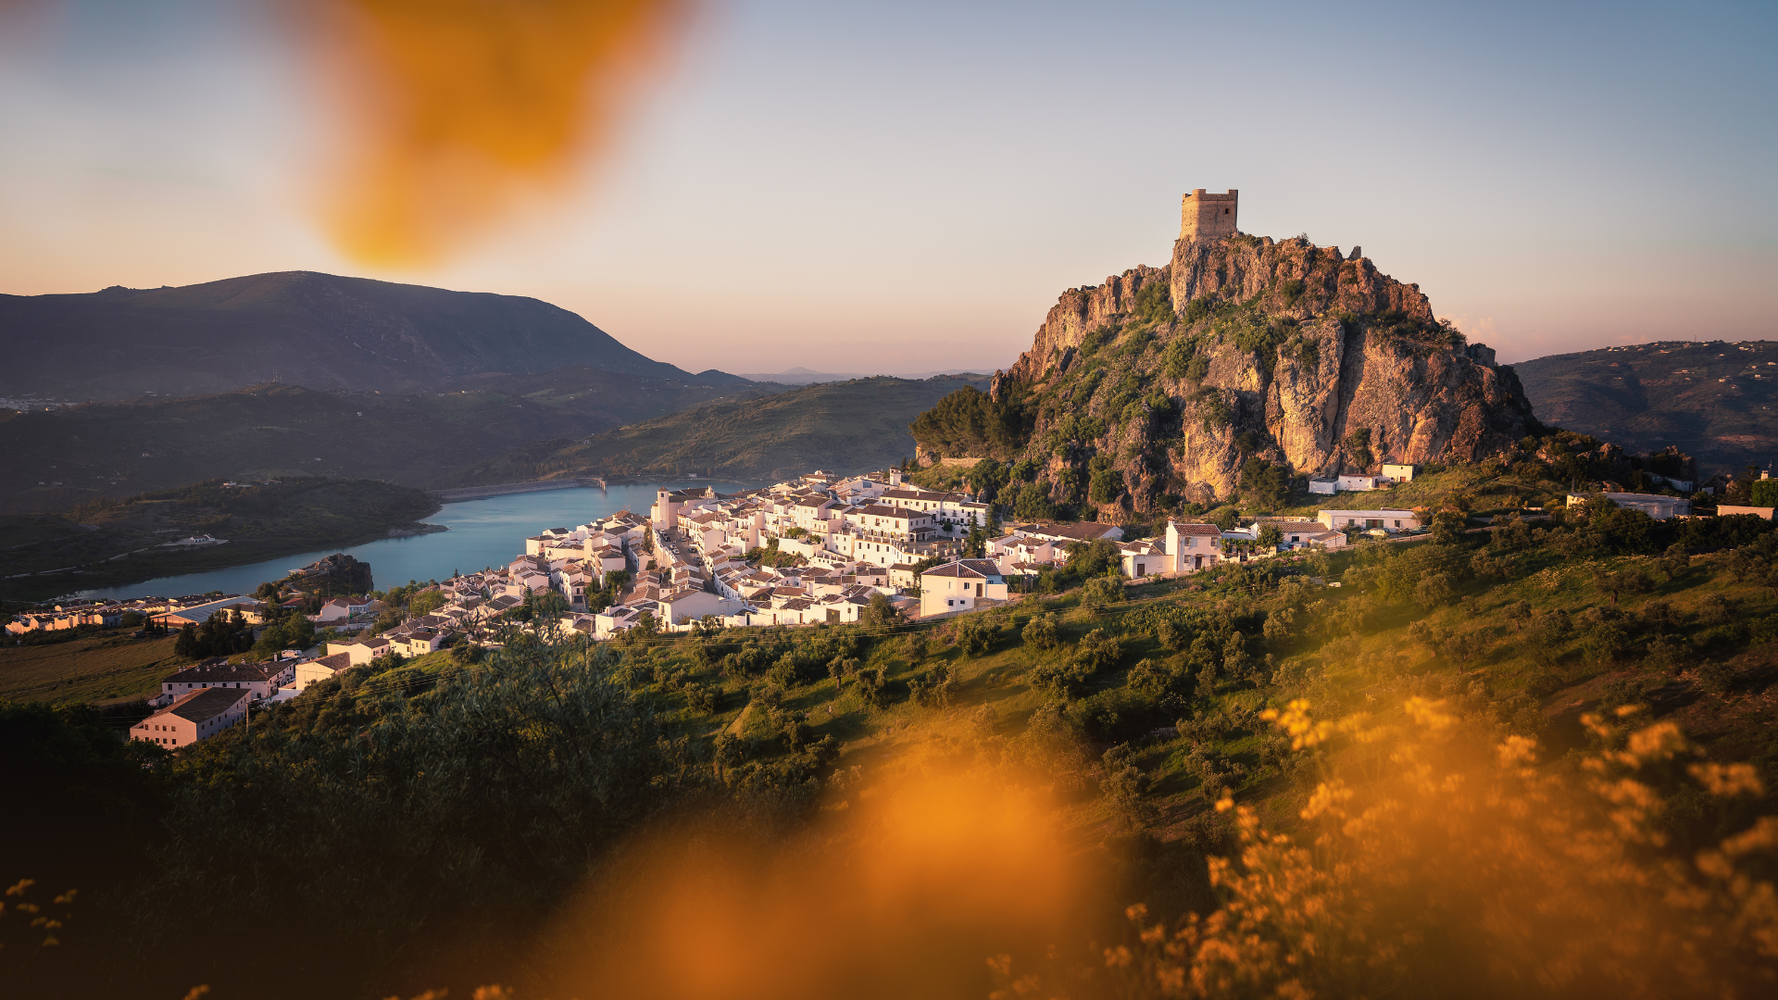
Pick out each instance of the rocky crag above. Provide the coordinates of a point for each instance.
(1166, 384)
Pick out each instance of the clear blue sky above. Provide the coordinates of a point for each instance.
(909, 186)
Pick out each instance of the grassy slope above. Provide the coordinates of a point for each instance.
(100, 668)
(1484, 658)
(1654, 395)
(104, 547)
(842, 427)
(53, 460)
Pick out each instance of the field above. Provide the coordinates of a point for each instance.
(98, 669)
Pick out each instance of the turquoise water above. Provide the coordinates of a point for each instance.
(483, 533)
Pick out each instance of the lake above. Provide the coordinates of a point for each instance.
(483, 533)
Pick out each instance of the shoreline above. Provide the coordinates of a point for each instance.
(257, 550)
(462, 493)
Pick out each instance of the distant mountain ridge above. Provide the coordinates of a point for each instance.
(844, 427)
(320, 331)
(1717, 401)
(805, 376)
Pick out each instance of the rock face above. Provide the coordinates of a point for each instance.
(1281, 351)
(1080, 311)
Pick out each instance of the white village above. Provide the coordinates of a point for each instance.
(819, 549)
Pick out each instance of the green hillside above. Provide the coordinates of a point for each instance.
(52, 460)
(1717, 401)
(1504, 754)
(841, 427)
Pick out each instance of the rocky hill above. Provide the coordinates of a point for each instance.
(320, 331)
(1172, 382)
(1713, 400)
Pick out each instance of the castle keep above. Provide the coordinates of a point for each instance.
(1208, 216)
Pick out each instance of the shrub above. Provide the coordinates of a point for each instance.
(1098, 651)
(1041, 632)
(1101, 591)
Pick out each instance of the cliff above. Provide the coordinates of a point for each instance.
(1167, 383)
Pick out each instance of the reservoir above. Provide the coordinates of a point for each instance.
(484, 533)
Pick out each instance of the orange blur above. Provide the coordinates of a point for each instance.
(902, 893)
(456, 113)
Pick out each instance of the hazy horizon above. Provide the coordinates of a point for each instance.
(847, 188)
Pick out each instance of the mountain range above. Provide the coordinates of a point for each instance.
(319, 331)
(805, 376)
(1715, 400)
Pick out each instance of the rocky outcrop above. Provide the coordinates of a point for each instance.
(1081, 311)
(1282, 351)
(1291, 278)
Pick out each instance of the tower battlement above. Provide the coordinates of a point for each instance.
(1205, 216)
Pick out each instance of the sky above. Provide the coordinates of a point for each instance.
(908, 187)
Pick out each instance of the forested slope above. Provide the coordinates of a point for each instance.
(843, 427)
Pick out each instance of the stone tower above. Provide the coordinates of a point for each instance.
(1208, 216)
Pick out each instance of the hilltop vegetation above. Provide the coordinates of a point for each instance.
(1713, 400)
(480, 791)
(107, 543)
(53, 460)
(843, 427)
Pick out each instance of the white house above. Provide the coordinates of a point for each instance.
(1358, 483)
(1302, 534)
(258, 679)
(331, 665)
(1653, 504)
(1015, 550)
(361, 652)
(899, 525)
(1399, 473)
(196, 715)
(685, 606)
(1388, 520)
(1144, 557)
(959, 585)
(1193, 546)
(1324, 487)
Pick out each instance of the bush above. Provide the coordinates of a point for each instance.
(1041, 632)
(1098, 651)
(1101, 591)
(1434, 591)
(977, 635)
